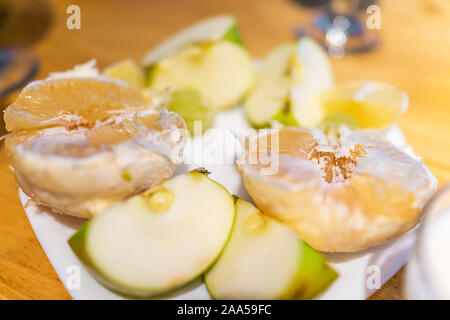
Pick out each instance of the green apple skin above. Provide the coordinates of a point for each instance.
(78, 243)
(286, 117)
(149, 72)
(314, 275)
(233, 35)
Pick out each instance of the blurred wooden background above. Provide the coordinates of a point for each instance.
(414, 56)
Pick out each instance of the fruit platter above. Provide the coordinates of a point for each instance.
(201, 172)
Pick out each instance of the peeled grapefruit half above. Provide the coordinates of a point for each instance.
(339, 193)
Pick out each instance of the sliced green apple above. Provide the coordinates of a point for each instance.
(207, 57)
(158, 241)
(209, 30)
(265, 260)
(193, 107)
(269, 100)
(289, 83)
(222, 71)
(313, 76)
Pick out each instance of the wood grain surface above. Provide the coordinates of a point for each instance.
(414, 56)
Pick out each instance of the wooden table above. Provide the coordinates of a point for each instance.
(414, 56)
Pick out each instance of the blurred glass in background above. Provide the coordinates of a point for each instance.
(22, 24)
(427, 274)
(341, 26)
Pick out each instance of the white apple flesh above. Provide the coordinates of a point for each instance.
(272, 90)
(313, 76)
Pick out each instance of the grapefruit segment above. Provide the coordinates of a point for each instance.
(372, 104)
(71, 102)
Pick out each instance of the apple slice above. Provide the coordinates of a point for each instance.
(221, 71)
(204, 59)
(313, 76)
(158, 241)
(289, 83)
(265, 260)
(208, 30)
(269, 100)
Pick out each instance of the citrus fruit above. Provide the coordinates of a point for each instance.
(82, 171)
(72, 102)
(339, 193)
(79, 145)
(373, 104)
(126, 70)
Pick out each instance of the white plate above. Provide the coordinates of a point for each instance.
(359, 273)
